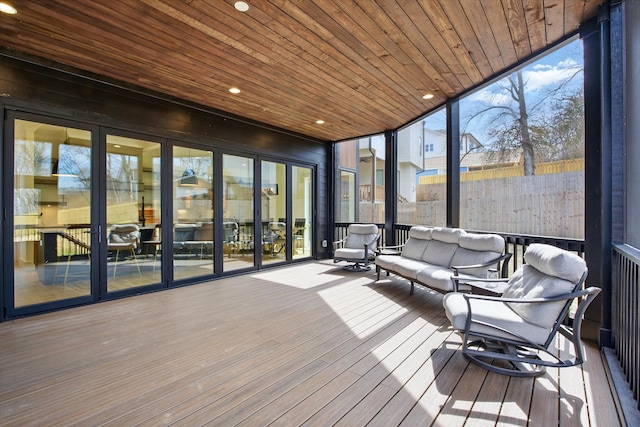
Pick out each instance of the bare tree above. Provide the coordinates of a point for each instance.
(531, 128)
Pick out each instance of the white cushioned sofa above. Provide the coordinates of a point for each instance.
(431, 256)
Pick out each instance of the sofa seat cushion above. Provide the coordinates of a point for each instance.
(408, 267)
(387, 261)
(493, 312)
(435, 277)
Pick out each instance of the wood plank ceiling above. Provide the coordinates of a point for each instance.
(361, 66)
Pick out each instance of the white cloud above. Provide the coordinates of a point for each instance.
(541, 76)
(486, 96)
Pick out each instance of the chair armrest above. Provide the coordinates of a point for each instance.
(562, 297)
(504, 257)
(338, 243)
(457, 279)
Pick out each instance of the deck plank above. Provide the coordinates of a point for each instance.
(308, 344)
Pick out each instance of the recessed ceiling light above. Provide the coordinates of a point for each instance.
(241, 6)
(234, 90)
(7, 8)
(320, 122)
(427, 96)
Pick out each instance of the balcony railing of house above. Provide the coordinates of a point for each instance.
(365, 193)
(626, 320)
(516, 244)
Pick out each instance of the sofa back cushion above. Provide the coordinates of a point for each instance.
(419, 238)
(443, 245)
(549, 272)
(477, 249)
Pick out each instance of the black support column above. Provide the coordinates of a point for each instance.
(598, 181)
(453, 163)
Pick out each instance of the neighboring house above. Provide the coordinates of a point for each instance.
(371, 167)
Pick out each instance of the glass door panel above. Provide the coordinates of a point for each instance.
(51, 214)
(133, 213)
(274, 212)
(193, 230)
(301, 209)
(239, 231)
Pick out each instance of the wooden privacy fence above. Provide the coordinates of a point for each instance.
(561, 166)
(546, 205)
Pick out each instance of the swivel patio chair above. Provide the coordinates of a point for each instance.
(513, 334)
(358, 247)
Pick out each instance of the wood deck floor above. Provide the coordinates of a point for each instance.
(308, 344)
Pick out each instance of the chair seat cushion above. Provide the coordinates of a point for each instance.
(492, 312)
(350, 254)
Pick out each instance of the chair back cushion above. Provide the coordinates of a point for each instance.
(419, 238)
(444, 243)
(549, 272)
(477, 249)
(124, 233)
(359, 235)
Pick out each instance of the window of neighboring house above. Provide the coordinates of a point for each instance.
(380, 177)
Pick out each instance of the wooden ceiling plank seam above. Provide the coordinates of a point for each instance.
(500, 29)
(416, 45)
(397, 45)
(367, 33)
(468, 70)
(516, 21)
(477, 18)
(423, 77)
(468, 36)
(535, 22)
(374, 68)
(554, 20)
(420, 13)
(573, 13)
(447, 42)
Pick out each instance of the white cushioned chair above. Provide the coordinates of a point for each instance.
(517, 329)
(358, 247)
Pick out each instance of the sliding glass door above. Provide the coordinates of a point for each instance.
(133, 205)
(301, 211)
(193, 227)
(51, 220)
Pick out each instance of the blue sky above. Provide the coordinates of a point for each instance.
(539, 76)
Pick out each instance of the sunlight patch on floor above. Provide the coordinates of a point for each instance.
(334, 298)
(315, 275)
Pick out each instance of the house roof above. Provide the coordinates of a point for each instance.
(361, 66)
